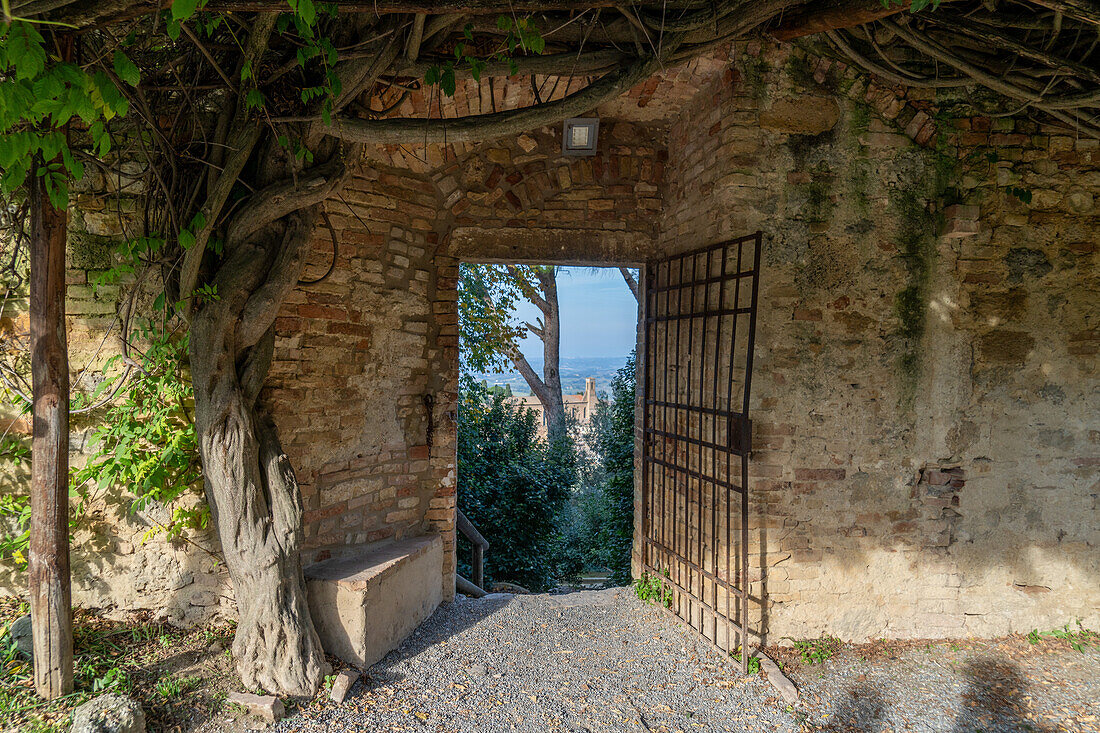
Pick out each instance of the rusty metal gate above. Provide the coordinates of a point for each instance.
(700, 328)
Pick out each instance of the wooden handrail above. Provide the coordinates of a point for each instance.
(478, 547)
(466, 527)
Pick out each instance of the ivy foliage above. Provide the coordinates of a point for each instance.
(144, 444)
(40, 94)
(521, 35)
(146, 440)
(15, 508)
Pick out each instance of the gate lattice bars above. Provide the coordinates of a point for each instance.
(700, 329)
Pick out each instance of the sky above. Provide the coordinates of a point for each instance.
(599, 315)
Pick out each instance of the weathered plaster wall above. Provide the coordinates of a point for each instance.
(927, 440)
(120, 557)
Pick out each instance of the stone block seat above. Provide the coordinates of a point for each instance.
(364, 605)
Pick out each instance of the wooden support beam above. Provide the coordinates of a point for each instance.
(48, 568)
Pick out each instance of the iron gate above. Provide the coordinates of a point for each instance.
(700, 328)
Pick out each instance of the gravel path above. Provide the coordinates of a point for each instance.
(588, 661)
(599, 661)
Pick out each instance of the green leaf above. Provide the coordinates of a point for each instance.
(476, 67)
(183, 9)
(254, 98)
(447, 83)
(307, 11)
(57, 189)
(187, 239)
(126, 69)
(26, 50)
(72, 165)
(504, 22)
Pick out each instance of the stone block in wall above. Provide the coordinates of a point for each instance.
(803, 115)
(961, 221)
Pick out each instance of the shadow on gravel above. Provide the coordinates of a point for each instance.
(449, 619)
(995, 699)
(862, 709)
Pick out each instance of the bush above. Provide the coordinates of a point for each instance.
(513, 486)
(605, 498)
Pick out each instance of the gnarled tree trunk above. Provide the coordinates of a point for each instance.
(250, 484)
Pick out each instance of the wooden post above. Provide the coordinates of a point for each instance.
(48, 568)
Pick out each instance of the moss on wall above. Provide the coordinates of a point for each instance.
(799, 71)
(814, 198)
(916, 200)
(90, 252)
(754, 71)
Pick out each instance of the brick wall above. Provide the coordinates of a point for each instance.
(926, 442)
(364, 357)
(358, 387)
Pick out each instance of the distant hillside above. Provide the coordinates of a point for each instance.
(574, 370)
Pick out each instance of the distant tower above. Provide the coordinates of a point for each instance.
(589, 396)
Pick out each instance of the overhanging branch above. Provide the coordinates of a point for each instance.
(243, 138)
(478, 128)
(832, 15)
(551, 64)
(278, 200)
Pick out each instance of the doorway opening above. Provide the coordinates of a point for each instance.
(546, 415)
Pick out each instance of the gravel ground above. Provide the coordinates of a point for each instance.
(953, 687)
(597, 661)
(586, 661)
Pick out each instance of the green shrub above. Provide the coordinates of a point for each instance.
(601, 527)
(512, 486)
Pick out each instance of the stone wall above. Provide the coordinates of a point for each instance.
(926, 385)
(927, 453)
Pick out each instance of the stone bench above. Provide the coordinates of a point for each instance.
(364, 605)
